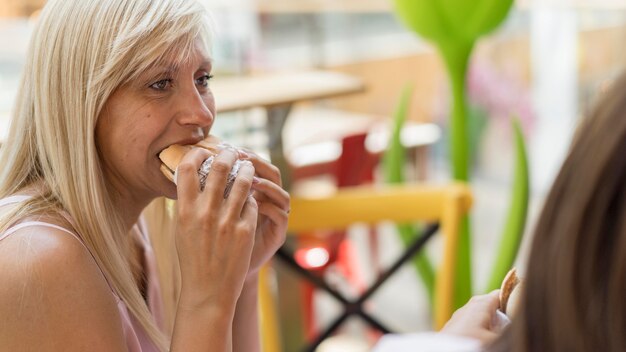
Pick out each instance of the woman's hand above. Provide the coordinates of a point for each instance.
(273, 203)
(215, 236)
(475, 318)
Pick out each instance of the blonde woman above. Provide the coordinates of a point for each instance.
(107, 86)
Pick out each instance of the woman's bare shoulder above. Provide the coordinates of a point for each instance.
(53, 294)
(46, 249)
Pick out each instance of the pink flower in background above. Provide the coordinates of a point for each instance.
(500, 95)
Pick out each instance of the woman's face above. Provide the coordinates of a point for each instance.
(170, 104)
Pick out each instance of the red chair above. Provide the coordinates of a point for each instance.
(319, 251)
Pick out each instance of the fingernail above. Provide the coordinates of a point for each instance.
(243, 154)
(255, 180)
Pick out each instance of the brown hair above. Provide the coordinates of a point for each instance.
(576, 275)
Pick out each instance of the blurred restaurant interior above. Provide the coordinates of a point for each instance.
(317, 86)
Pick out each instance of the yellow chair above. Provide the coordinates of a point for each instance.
(406, 203)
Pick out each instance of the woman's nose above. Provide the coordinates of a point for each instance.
(196, 110)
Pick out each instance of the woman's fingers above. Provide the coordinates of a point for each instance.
(276, 214)
(218, 176)
(492, 300)
(264, 168)
(474, 318)
(270, 191)
(240, 190)
(187, 173)
(250, 211)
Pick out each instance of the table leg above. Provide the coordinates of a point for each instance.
(276, 118)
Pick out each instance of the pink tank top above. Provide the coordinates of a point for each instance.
(136, 338)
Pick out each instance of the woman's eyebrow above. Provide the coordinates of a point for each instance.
(159, 71)
(168, 70)
(207, 63)
(172, 69)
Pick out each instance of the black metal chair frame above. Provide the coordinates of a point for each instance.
(355, 306)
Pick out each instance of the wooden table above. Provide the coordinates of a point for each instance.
(277, 92)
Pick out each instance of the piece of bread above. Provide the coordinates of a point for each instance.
(510, 293)
(172, 155)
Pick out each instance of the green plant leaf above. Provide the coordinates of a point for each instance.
(394, 161)
(454, 26)
(424, 18)
(487, 16)
(395, 155)
(452, 21)
(516, 220)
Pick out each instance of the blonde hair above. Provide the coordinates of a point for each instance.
(80, 53)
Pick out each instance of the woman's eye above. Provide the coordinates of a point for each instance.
(163, 84)
(203, 81)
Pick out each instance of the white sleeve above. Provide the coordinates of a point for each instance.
(426, 342)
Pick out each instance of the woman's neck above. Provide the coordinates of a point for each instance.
(130, 209)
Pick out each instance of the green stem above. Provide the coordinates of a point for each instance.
(516, 219)
(456, 57)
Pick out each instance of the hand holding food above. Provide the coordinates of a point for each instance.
(272, 200)
(274, 206)
(215, 234)
(475, 318)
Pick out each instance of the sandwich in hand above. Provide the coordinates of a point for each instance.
(173, 155)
